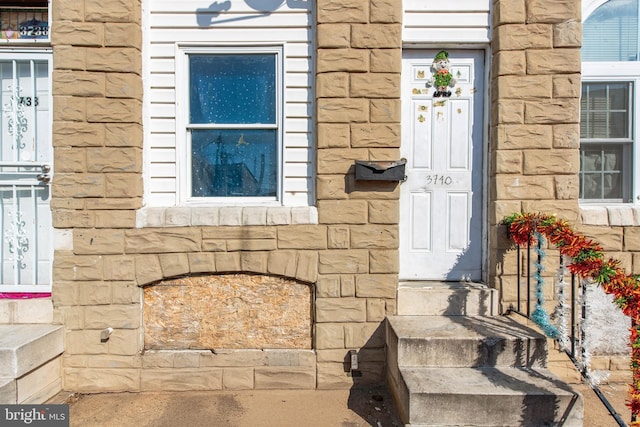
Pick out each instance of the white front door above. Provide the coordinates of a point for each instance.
(25, 168)
(442, 140)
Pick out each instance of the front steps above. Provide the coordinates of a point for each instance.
(461, 370)
(446, 299)
(30, 353)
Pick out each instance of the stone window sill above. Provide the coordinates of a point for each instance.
(626, 216)
(225, 216)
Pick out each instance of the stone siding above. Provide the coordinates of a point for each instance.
(347, 252)
(358, 118)
(535, 130)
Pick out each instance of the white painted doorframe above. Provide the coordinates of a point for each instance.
(459, 257)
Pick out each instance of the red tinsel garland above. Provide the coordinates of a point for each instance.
(588, 262)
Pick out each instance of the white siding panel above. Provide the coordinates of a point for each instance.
(300, 140)
(162, 80)
(297, 65)
(163, 126)
(300, 155)
(297, 170)
(163, 185)
(299, 110)
(164, 155)
(460, 21)
(298, 125)
(162, 140)
(162, 170)
(298, 199)
(164, 110)
(446, 35)
(160, 50)
(302, 80)
(171, 23)
(448, 6)
(296, 184)
(443, 20)
(254, 20)
(297, 95)
(300, 49)
(162, 96)
(196, 7)
(162, 65)
(231, 35)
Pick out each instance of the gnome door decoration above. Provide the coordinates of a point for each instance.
(442, 79)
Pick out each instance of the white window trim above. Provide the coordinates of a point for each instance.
(620, 72)
(183, 156)
(614, 214)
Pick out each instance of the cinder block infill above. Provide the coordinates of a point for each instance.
(24, 347)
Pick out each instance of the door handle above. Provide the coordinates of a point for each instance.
(44, 176)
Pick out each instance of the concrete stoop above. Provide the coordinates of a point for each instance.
(472, 370)
(30, 362)
(487, 397)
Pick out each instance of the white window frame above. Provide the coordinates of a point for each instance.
(41, 54)
(601, 72)
(183, 146)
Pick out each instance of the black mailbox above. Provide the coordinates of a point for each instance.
(380, 170)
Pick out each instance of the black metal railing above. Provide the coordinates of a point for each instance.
(575, 348)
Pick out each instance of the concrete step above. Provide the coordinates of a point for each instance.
(421, 298)
(485, 397)
(459, 341)
(30, 362)
(24, 347)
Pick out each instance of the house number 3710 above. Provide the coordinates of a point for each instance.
(439, 180)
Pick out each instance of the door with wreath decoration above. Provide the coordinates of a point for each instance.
(441, 226)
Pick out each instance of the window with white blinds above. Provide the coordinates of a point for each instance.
(608, 109)
(611, 32)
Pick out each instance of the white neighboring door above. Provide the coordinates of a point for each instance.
(25, 168)
(442, 140)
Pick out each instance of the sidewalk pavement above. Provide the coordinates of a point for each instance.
(361, 407)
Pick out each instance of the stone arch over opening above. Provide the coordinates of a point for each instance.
(229, 310)
(294, 264)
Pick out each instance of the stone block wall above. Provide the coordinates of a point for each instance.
(349, 257)
(359, 61)
(535, 132)
(534, 144)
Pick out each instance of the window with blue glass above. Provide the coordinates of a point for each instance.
(233, 124)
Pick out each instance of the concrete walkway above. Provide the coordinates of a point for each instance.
(270, 408)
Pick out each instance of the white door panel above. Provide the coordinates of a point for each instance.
(25, 168)
(441, 200)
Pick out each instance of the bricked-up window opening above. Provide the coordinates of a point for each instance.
(233, 128)
(606, 144)
(224, 311)
(24, 20)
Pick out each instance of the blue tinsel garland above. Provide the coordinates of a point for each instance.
(540, 315)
